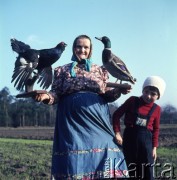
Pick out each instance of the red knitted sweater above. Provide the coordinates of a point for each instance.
(128, 109)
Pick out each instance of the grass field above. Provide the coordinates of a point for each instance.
(166, 164)
(25, 153)
(31, 159)
(25, 159)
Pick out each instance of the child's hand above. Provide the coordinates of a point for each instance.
(118, 138)
(154, 153)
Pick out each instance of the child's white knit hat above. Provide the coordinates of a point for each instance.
(157, 82)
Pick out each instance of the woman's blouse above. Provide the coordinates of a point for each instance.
(93, 81)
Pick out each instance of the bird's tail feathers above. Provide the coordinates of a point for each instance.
(18, 46)
(132, 80)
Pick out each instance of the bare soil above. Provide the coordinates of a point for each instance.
(167, 137)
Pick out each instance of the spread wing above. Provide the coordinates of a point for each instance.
(46, 77)
(22, 71)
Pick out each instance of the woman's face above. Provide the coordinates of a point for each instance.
(82, 49)
(149, 95)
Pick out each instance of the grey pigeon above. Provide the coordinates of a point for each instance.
(114, 65)
(32, 64)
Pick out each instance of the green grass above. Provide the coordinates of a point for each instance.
(25, 159)
(31, 159)
(170, 153)
(167, 162)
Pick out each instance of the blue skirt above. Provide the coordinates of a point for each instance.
(84, 146)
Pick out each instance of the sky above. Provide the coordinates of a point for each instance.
(142, 33)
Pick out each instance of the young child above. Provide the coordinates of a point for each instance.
(142, 121)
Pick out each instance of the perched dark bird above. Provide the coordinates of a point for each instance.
(115, 66)
(32, 64)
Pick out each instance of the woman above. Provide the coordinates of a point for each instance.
(84, 146)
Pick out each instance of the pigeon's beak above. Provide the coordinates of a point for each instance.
(65, 44)
(98, 38)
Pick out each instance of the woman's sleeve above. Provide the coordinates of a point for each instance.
(56, 89)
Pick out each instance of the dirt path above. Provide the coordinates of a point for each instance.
(167, 137)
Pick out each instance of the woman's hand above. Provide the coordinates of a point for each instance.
(125, 90)
(41, 97)
(119, 91)
(118, 138)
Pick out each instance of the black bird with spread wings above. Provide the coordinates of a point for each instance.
(32, 64)
(115, 66)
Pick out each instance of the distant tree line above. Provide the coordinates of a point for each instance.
(168, 113)
(26, 112)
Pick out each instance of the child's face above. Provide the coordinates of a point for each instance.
(82, 49)
(149, 95)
